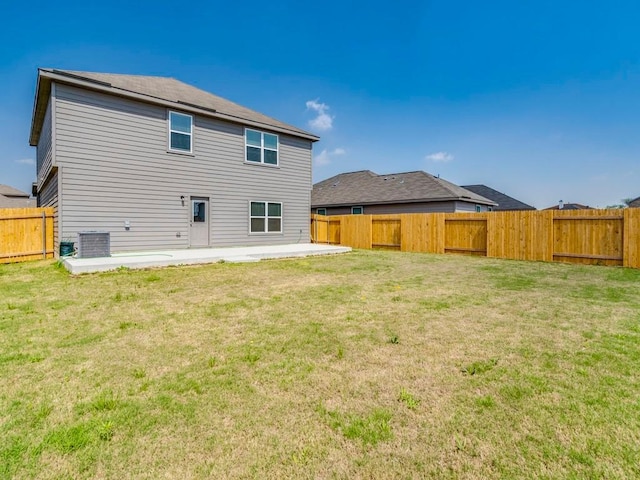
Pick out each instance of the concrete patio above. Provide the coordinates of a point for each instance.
(164, 258)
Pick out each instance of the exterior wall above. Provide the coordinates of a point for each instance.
(470, 207)
(425, 207)
(114, 167)
(47, 177)
(48, 197)
(44, 150)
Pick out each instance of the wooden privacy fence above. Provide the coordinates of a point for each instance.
(604, 237)
(26, 234)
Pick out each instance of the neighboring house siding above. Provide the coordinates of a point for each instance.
(425, 207)
(44, 148)
(112, 154)
(469, 207)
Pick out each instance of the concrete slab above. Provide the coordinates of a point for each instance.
(164, 258)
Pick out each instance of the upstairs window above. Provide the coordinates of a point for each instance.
(357, 210)
(180, 132)
(266, 217)
(261, 147)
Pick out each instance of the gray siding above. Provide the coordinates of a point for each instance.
(425, 207)
(469, 207)
(48, 197)
(114, 164)
(44, 153)
(388, 209)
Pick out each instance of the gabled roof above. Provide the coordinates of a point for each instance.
(570, 206)
(8, 191)
(505, 202)
(368, 188)
(165, 91)
(635, 202)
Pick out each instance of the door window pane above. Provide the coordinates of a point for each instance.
(199, 212)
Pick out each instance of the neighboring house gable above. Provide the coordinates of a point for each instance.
(159, 164)
(635, 203)
(505, 202)
(407, 192)
(13, 198)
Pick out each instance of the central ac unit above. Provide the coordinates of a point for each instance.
(94, 244)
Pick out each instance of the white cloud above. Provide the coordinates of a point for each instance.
(26, 161)
(323, 122)
(325, 156)
(440, 157)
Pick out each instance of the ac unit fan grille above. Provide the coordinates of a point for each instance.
(94, 244)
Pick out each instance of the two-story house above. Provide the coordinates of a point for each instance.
(161, 164)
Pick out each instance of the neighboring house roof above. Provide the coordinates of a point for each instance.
(570, 206)
(164, 91)
(13, 198)
(505, 202)
(368, 188)
(8, 191)
(635, 203)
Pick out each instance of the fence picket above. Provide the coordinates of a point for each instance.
(604, 237)
(26, 234)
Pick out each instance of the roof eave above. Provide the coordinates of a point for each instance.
(43, 90)
(52, 75)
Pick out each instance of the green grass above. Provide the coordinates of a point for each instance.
(366, 365)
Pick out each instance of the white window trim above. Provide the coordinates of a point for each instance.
(324, 211)
(266, 218)
(262, 148)
(361, 210)
(478, 208)
(169, 130)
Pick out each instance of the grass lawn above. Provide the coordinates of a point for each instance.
(365, 365)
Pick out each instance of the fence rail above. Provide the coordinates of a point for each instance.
(26, 234)
(604, 237)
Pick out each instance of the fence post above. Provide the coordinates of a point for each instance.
(44, 235)
(631, 238)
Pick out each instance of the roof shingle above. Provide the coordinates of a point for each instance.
(366, 188)
(8, 191)
(168, 90)
(505, 202)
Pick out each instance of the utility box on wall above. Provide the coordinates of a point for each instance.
(94, 244)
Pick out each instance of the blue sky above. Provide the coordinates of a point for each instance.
(538, 99)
